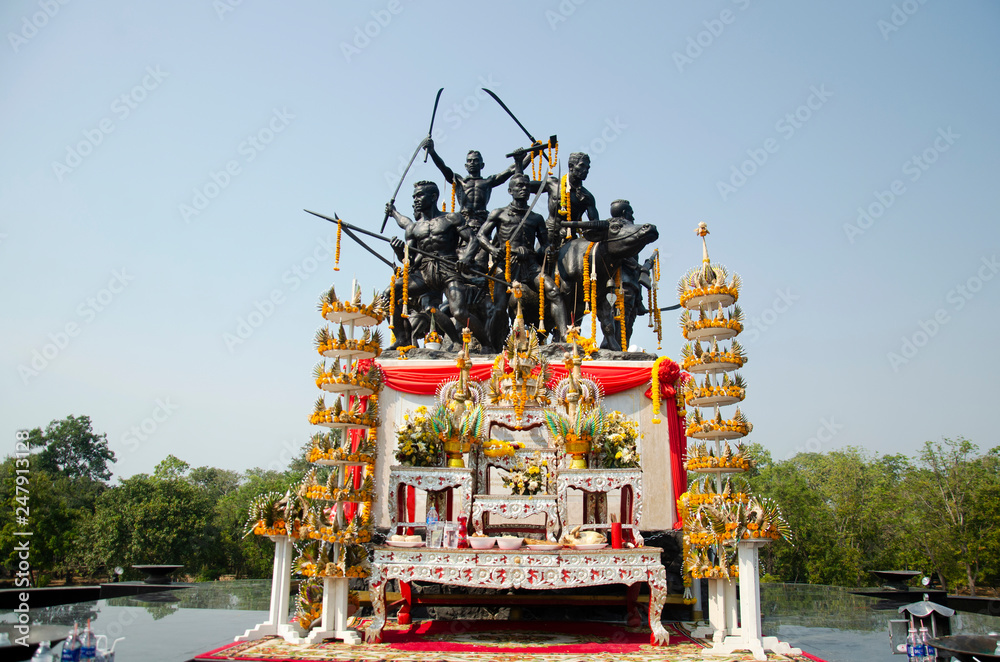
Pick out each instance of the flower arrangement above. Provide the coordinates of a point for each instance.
(332, 346)
(737, 426)
(323, 415)
(331, 446)
(709, 280)
(275, 514)
(328, 378)
(577, 437)
(701, 456)
(432, 337)
(695, 359)
(417, 444)
(730, 389)
(619, 444)
(332, 308)
(734, 322)
(500, 448)
(529, 478)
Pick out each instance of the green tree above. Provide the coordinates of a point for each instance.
(152, 519)
(71, 447)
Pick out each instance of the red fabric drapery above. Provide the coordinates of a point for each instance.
(669, 377)
(424, 380)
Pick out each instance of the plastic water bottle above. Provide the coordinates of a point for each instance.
(911, 645)
(43, 653)
(432, 532)
(71, 647)
(930, 655)
(88, 645)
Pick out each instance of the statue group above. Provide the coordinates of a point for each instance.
(468, 267)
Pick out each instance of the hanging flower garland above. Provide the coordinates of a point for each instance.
(452, 195)
(406, 280)
(620, 303)
(336, 259)
(655, 389)
(506, 264)
(541, 302)
(586, 279)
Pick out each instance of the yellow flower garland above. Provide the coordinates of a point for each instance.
(620, 302)
(541, 303)
(336, 259)
(506, 264)
(655, 391)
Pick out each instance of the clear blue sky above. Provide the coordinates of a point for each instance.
(117, 114)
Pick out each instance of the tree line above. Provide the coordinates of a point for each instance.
(84, 527)
(850, 511)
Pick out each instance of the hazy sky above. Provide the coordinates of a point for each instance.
(157, 158)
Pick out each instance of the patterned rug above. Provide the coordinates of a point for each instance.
(488, 641)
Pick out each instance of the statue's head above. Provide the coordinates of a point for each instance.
(425, 195)
(622, 209)
(474, 162)
(518, 186)
(579, 165)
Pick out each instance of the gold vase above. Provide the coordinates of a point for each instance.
(578, 450)
(454, 447)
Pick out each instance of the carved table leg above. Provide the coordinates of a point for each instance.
(657, 579)
(376, 589)
(403, 617)
(477, 516)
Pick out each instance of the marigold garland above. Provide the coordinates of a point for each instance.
(541, 303)
(586, 279)
(452, 195)
(406, 280)
(620, 303)
(506, 264)
(655, 390)
(564, 198)
(336, 259)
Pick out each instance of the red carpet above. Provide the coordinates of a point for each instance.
(489, 641)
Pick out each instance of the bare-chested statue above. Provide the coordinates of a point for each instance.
(472, 192)
(579, 200)
(437, 233)
(527, 251)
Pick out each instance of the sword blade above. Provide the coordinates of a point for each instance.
(517, 121)
(430, 130)
(350, 233)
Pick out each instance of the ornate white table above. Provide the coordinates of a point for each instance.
(499, 569)
(433, 480)
(596, 483)
(516, 506)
